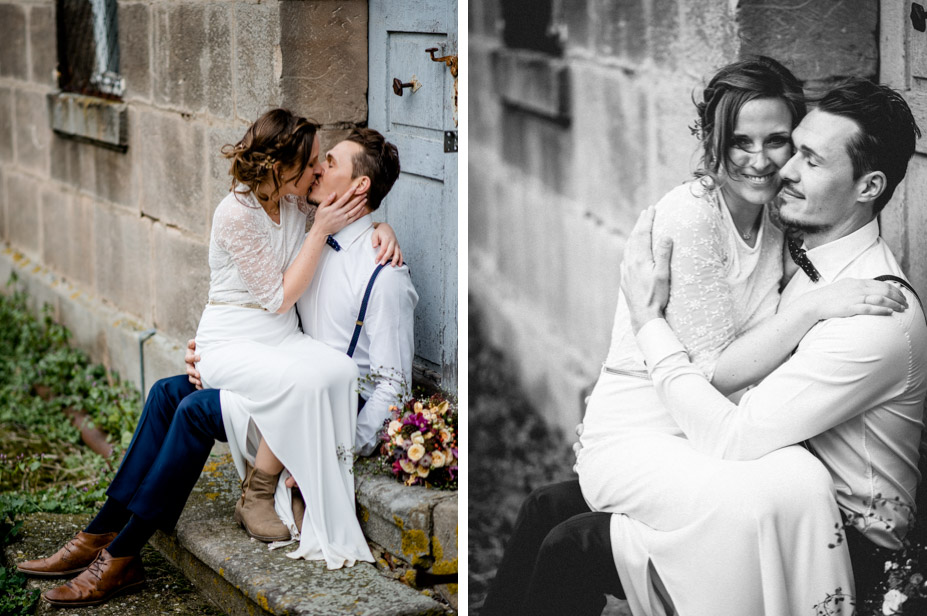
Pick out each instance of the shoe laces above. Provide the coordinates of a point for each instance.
(69, 547)
(96, 569)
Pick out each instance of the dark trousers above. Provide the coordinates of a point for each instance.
(558, 560)
(868, 562)
(175, 433)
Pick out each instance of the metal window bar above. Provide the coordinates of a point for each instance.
(88, 48)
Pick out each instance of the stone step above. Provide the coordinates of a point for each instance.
(243, 577)
(414, 524)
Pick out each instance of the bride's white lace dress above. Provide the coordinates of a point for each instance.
(722, 537)
(300, 394)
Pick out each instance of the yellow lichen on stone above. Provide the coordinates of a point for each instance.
(262, 601)
(364, 513)
(222, 571)
(414, 542)
(212, 495)
(441, 566)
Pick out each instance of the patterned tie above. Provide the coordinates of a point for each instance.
(801, 259)
(333, 243)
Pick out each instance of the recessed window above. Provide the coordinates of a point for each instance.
(528, 25)
(88, 48)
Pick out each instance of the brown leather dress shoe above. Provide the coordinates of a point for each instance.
(105, 578)
(73, 558)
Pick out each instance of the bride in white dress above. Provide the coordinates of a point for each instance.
(714, 536)
(276, 383)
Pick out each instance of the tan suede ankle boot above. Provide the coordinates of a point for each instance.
(299, 508)
(255, 509)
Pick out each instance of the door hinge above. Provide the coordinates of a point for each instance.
(450, 141)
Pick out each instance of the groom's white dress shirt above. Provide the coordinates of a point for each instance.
(854, 389)
(329, 308)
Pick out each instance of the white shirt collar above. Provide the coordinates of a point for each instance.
(831, 258)
(347, 236)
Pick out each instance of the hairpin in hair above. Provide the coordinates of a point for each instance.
(696, 129)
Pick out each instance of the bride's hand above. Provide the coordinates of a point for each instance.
(334, 214)
(385, 237)
(290, 482)
(852, 296)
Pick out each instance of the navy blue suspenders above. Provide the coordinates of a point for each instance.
(359, 324)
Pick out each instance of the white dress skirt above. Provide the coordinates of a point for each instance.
(715, 536)
(301, 395)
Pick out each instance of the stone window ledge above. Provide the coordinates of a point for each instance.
(89, 119)
(534, 81)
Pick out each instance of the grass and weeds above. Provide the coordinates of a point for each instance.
(15, 598)
(512, 451)
(43, 464)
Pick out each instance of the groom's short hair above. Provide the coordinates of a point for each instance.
(378, 160)
(887, 130)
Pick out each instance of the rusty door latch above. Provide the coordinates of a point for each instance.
(450, 61)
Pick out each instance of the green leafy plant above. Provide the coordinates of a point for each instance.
(43, 465)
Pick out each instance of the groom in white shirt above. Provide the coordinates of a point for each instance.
(853, 389)
(328, 309)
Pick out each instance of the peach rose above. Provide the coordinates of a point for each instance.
(416, 452)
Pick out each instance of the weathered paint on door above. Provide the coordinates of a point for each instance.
(422, 206)
(903, 66)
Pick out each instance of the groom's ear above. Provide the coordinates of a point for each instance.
(363, 185)
(869, 186)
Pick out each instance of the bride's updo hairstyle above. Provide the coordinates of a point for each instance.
(728, 91)
(278, 136)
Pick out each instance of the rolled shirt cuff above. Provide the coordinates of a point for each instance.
(657, 341)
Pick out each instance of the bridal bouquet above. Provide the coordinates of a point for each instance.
(421, 442)
(905, 582)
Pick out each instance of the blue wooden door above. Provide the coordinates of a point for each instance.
(422, 206)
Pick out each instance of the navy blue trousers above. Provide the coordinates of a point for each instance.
(175, 433)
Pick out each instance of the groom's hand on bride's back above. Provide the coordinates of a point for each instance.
(645, 272)
(191, 358)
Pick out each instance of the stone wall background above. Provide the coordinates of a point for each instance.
(580, 122)
(125, 235)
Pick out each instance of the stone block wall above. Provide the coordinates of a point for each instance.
(568, 144)
(129, 231)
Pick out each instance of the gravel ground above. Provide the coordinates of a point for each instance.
(167, 590)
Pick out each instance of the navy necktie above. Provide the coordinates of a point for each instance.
(333, 243)
(801, 259)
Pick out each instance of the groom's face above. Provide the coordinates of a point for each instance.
(818, 187)
(336, 171)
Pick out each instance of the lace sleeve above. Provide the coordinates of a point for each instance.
(701, 307)
(239, 232)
